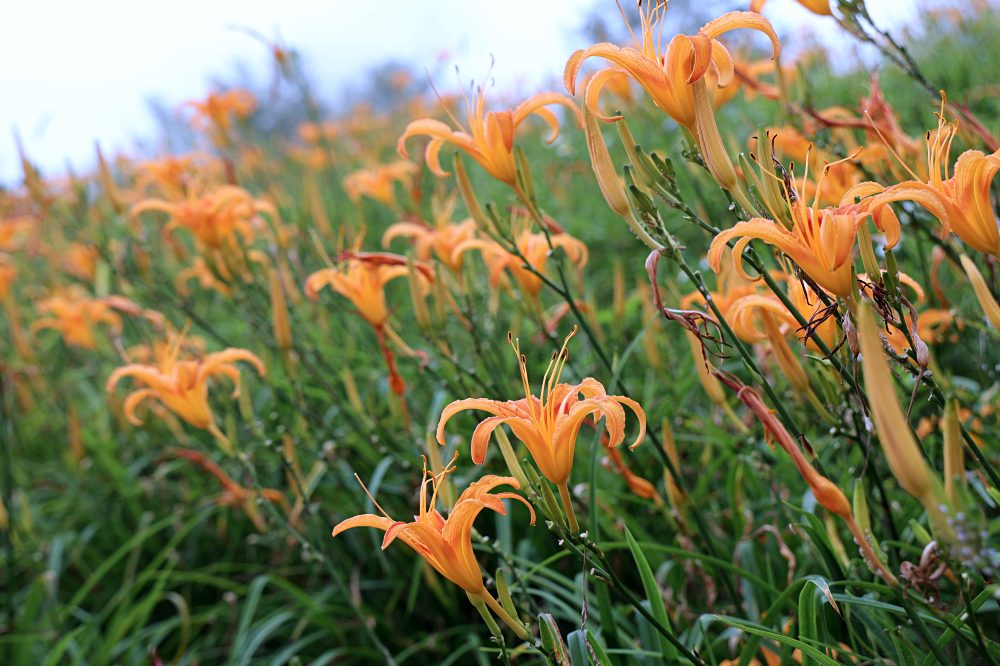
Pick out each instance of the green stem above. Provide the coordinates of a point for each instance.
(567, 501)
(494, 605)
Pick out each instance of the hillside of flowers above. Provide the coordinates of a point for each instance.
(692, 357)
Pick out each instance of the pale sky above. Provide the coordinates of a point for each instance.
(75, 72)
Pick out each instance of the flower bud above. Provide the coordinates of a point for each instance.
(986, 301)
(954, 460)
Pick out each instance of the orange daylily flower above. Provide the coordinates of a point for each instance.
(159, 350)
(216, 219)
(15, 231)
(199, 270)
(667, 74)
(234, 494)
(534, 247)
(820, 241)
(315, 132)
(218, 111)
(182, 385)
(80, 261)
(446, 543)
(440, 239)
(361, 277)
(548, 424)
(76, 315)
(489, 140)
(378, 182)
(960, 201)
(176, 175)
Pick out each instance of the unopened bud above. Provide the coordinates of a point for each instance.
(986, 301)
(954, 460)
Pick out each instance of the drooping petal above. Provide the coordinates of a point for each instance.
(213, 361)
(481, 437)
(132, 401)
(403, 230)
(736, 20)
(495, 407)
(536, 104)
(364, 520)
(765, 230)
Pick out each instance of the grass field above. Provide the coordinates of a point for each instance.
(691, 360)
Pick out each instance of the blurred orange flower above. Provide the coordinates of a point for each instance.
(378, 182)
(182, 385)
(439, 239)
(76, 315)
(218, 111)
(490, 137)
(534, 251)
(361, 277)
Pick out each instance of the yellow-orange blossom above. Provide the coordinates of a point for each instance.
(548, 424)
(446, 544)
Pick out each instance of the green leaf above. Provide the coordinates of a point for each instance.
(653, 595)
(757, 630)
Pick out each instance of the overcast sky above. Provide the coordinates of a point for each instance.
(75, 72)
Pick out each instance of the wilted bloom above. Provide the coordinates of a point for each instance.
(446, 543)
(182, 385)
(549, 423)
(667, 74)
(233, 494)
(378, 182)
(490, 137)
(76, 316)
(827, 493)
